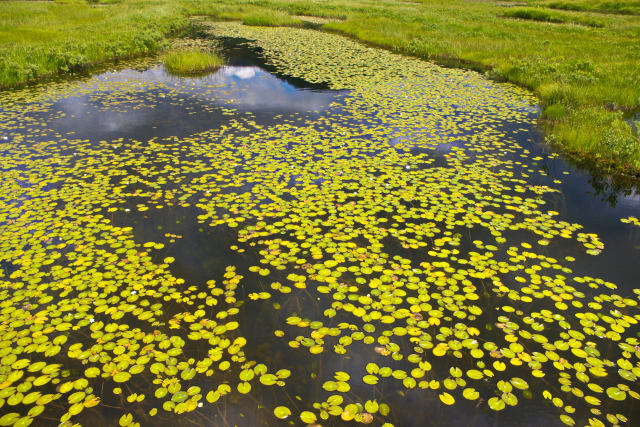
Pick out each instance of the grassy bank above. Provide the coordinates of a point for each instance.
(43, 38)
(581, 57)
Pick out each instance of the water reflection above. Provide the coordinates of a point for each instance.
(253, 88)
(174, 106)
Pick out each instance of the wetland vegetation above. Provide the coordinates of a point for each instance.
(318, 231)
(191, 61)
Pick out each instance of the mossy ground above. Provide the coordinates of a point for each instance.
(583, 66)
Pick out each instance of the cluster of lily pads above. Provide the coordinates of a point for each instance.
(407, 210)
(631, 220)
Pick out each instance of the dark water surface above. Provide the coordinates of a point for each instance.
(150, 112)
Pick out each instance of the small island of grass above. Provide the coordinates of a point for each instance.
(191, 61)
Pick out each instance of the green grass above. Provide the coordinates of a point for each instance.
(629, 7)
(587, 78)
(43, 38)
(271, 18)
(538, 14)
(191, 61)
(249, 14)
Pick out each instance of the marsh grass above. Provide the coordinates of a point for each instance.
(624, 7)
(538, 14)
(596, 134)
(191, 62)
(249, 14)
(271, 18)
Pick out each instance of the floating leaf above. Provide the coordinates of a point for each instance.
(519, 383)
(446, 398)
(616, 394)
(496, 404)
(370, 379)
(282, 412)
(371, 406)
(92, 372)
(268, 379)
(308, 417)
(122, 377)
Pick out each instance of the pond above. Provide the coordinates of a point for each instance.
(319, 232)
